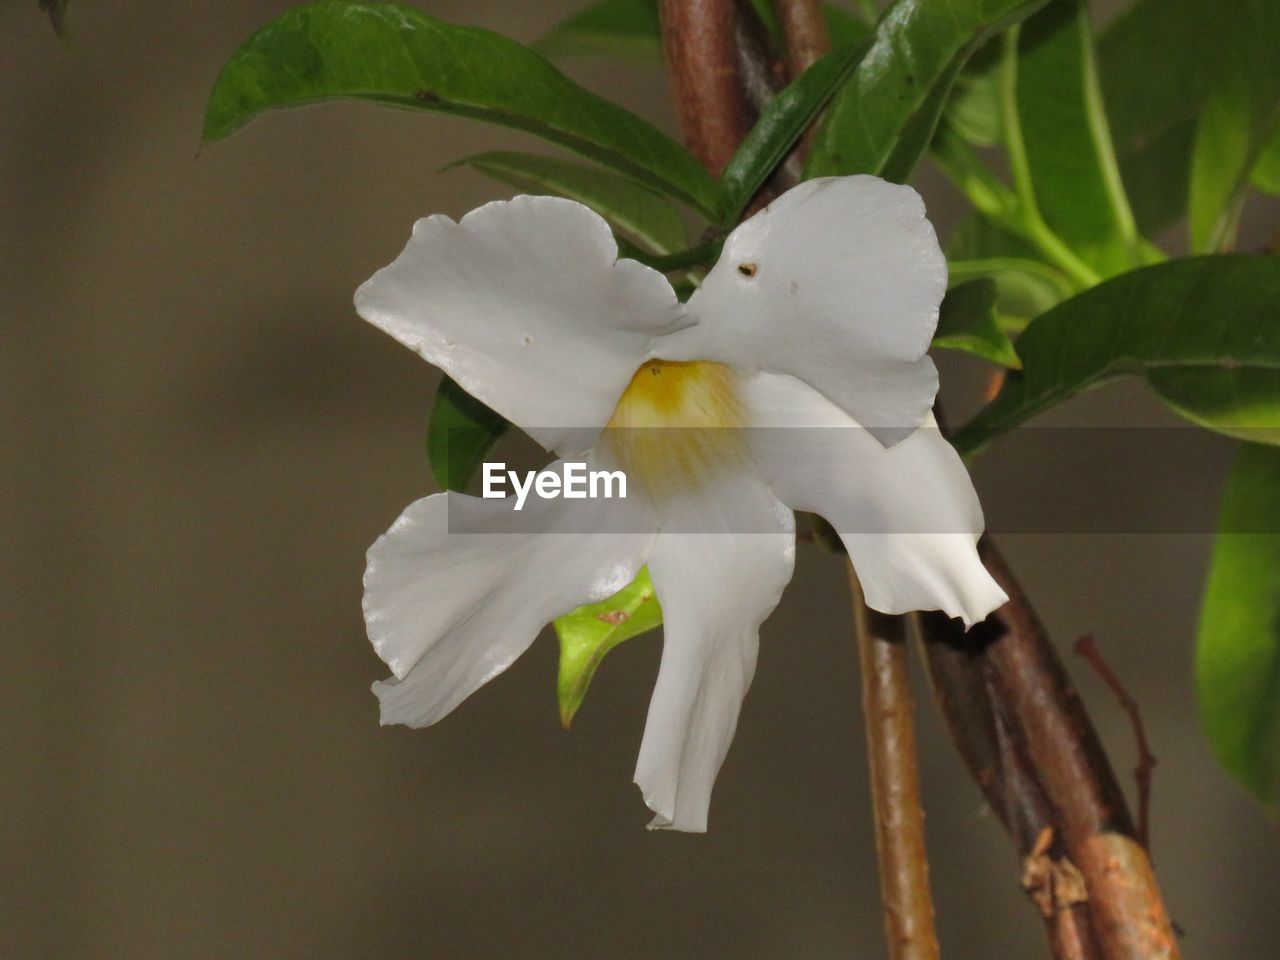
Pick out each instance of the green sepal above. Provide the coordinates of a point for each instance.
(589, 632)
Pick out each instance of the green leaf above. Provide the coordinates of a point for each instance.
(1238, 645)
(781, 124)
(1238, 118)
(1158, 62)
(622, 29)
(973, 109)
(1204, 331)
(395, 55)
(990, 196)
(967, 322)
(1072, 164)
(1155, 69)
(636, 211)
(462, 430)
(1026, 286)
(1154, 98)
(883, 118)
(843, 28)
(589, 632)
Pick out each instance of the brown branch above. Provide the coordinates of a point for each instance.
(996, 757)
(1091, 817)
(1087, 647)
(1035, 703)
(895, 782)
(762, 70)
(702, 62)
(804, 26)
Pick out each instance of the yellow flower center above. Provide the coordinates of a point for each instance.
(676, 423)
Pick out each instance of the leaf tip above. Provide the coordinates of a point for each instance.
(567, 713)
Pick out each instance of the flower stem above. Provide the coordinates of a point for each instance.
(895, 782)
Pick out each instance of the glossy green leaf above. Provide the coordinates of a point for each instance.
(622, 29)
(461, 432)
(1238, 645)
(967, 322)
(1239, 115)
(1063, 123)
(636, 211)
(396, 55)
(589, 632)
(883, 118)
(1204, 331)
(781, 124)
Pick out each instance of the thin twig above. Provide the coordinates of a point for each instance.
(895, 782)
(1087, 647)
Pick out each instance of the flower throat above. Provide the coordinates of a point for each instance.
(677, 423)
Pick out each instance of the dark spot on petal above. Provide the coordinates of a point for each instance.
(748, 269)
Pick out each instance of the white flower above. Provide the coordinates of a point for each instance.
(817, 316)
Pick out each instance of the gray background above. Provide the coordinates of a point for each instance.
(199, 441)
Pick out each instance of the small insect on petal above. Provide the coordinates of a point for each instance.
(748, 269)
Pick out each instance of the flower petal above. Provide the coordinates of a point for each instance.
(837, 282)
(525, 304)
(460, 586)
(908, 516)
(715, 590)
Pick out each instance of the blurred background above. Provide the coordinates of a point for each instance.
(199, 440)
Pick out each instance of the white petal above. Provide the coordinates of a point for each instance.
(524, 303)
(908, 516)
(715, 590)
(460, 586)
(848, 277)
